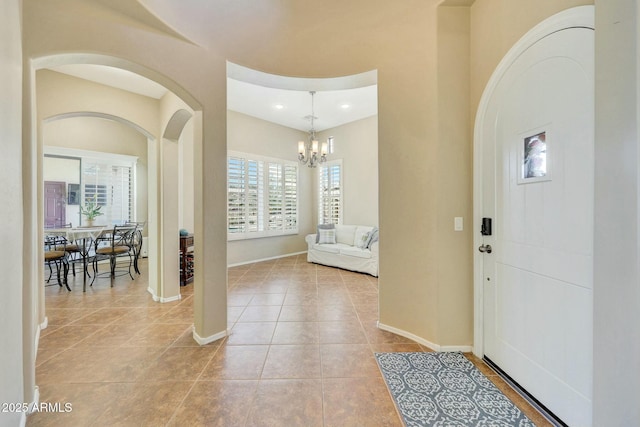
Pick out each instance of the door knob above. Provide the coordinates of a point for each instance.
(485, 248)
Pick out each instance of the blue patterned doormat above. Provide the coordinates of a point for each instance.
(446, 389)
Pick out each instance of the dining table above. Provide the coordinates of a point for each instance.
(85, 235)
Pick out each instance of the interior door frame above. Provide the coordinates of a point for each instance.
(577, 17)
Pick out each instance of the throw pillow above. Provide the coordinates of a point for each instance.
(373, 237)
(326, 236)
(326, 227)
(362, 240)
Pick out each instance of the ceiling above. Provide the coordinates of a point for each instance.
(286, 107)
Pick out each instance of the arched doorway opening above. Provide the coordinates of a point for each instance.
(179, 106)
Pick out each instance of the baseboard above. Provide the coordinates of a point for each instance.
(265, 259)
(432, 346)
(40, 327)
(156, 298)
(171, 299)
(33, 405)
(206, 340)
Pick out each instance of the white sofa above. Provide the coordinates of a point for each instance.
(345, 253)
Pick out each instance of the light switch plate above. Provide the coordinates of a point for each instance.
(457, 224)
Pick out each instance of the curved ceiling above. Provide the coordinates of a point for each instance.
(290, 108)
(278, 99)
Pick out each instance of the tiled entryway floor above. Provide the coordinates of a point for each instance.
(300, 353)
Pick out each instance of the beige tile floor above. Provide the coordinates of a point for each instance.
(300, 354)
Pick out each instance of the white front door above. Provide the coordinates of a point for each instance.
(538, 177)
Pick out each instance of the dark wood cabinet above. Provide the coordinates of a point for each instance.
(186, 259)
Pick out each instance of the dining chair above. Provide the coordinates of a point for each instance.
(73, 249)
(112, 244)
(136, 242)
(55, 254)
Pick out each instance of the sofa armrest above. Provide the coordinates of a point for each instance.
(375, 249)
(310, 239)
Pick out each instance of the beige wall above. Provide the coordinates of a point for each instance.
(59, 93)
(496, 25)
(454, 292)
(356, 144)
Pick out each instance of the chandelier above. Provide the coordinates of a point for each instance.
(308, 153)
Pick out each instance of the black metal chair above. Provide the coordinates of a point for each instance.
(55, 254)
(136, 242)
(74, 251)
(112, 244)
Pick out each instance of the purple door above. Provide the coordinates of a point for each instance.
(54, 203)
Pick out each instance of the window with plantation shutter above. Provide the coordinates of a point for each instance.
(107, 179)
(111, 186)
(330, 193)
(262, 196)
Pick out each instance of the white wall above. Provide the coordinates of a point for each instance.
(356, 144)
(16, 354)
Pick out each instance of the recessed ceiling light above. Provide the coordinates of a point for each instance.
(345, 106)
(278, 106)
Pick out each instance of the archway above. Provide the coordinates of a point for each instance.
(33, 158)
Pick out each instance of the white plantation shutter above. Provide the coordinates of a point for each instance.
(236, 177)
(255, 202)
(112, 187)
(262, 196)
(330, 193)
(276, 197)
(291, 197)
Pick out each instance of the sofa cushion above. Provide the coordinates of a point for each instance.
(356, 252)
(332, 249)
(345, 234)
(362, 236)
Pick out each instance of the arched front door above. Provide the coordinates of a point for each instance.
(535, 260)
